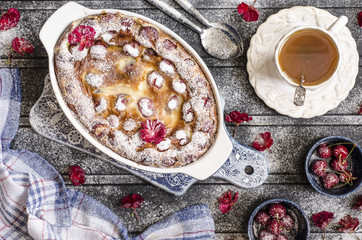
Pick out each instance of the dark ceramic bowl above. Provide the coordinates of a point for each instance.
(300, 230)
(354, 165)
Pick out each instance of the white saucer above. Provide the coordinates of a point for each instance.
(276, 92)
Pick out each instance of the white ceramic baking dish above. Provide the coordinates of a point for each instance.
(209, 163)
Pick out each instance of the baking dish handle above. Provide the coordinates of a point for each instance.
(61, 18)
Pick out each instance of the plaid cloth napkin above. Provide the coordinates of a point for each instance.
(35, 204)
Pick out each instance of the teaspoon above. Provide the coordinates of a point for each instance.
(218, 42)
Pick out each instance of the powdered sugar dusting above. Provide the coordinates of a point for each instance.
(164, 145)
(102, 105)
(94, 80)
(155, 79)
(167, 68)
(173, 102)
(129, 125)
(79, 55)
(120, 104)
(132, 51)
(107, 37)
(145, 107)
(178, 85)
(113, 121)
(98, 51)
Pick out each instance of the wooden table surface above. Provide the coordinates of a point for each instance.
(292, 137)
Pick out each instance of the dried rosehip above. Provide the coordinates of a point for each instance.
(250, 13)
(76, 175)
(153, 131)
(360, 19)
(84, 35)
(21, 45)
(319, 167)
(275, 227)
(9, 19)
(340, 151)
(324, 151)
(330, 180)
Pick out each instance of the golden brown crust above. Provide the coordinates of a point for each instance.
(134, 72)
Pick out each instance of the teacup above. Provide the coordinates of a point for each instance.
(309, 54)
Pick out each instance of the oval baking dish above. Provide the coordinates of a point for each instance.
(201, 169)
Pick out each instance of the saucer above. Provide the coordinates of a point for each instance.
(276, 92)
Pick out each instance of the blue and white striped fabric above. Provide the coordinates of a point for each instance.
(35, 204)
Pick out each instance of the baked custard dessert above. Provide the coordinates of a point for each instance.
(136, 90)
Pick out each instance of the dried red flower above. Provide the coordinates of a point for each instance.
(237, 118)
(133, 201)
(84, 35)
(9, 19)
(153, 131)
(360, 109)
(227, 200)
(263, 141)
(76, 175)
(250, 13)
(360, 19)
(322, 219)
(21, 45)
(349, 224)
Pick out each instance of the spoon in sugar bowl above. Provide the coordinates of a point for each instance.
(218, 39)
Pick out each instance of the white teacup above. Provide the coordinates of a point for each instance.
(331, 31)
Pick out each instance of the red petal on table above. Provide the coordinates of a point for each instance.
(227, 200)
(21, 45)
(349, 224)
(360, 19)
(263, 141)
(252, 15)
(76, 175)
(322, 219)
(224, 207)
(132, 201)
(243, 8)
(9, 19)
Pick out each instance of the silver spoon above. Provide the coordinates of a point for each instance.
(217, 42)
(226, 27)
(299, 95)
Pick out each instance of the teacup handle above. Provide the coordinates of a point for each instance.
(335, 27)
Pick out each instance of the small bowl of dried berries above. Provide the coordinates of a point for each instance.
(334, 166)
(278, 219)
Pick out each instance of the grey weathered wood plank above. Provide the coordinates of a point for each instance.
(291, 145)
(313, 236)
(129, 179)
(31, 22)
(134, 4)
(159, 204)
(335, 120)
(232, 83)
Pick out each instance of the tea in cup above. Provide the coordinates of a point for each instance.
(309, 53)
